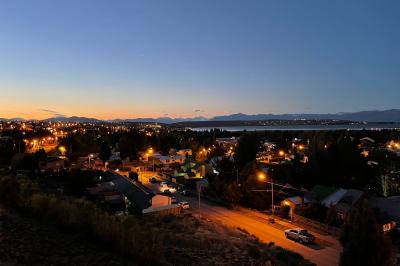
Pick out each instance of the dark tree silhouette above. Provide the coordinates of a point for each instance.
(363, 240)
(246, 150)
(105, 151)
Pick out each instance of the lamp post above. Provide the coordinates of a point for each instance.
(150, 152)
(90, 157)
(262, 177)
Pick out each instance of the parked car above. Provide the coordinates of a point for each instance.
(185, 193)
(163, 184)
(153, 180)
(301, 235)
(184, 205)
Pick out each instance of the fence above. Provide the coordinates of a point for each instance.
(314, 225)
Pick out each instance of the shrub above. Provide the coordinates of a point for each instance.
(284, 212)
(125, 233)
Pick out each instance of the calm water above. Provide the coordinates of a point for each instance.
(306, 127)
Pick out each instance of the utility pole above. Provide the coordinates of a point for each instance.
(199, 185)
(272, 197)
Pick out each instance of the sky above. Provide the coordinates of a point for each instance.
(129, 59)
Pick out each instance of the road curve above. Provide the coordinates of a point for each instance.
(325, 253)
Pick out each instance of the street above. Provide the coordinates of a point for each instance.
(325, 251)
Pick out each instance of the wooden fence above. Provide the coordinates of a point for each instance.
(317, 226)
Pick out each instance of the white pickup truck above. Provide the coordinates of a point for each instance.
(301, 235)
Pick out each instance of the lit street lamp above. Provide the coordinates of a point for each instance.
(63, 150)
(263, 178)
(150, 152)
(90, 157)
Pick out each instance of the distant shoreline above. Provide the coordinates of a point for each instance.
(369, 126)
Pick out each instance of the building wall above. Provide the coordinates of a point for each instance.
(160, 200)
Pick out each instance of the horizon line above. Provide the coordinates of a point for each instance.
(187, 118)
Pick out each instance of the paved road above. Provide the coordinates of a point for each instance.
(325, 252)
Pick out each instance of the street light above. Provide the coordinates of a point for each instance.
(90, 157)
(149, 152)
(62, 149)
(281, 153)
(262, 177)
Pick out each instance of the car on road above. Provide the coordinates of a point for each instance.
(153, 180)
(300, 235)
(185, 193)
(184, 205)
(163, 184)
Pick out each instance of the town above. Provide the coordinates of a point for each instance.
(265, 184)
(199, 133)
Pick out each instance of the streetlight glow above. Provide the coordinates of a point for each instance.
(62, 149)
(261, 176)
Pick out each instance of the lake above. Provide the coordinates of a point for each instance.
(370, 126)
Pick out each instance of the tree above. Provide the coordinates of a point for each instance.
(134, 176)
(246, 150)
(255, 194)
(40, 155)
(105, 151)
(6, 151)
(127, 147)
(233, 193)
(363, 240)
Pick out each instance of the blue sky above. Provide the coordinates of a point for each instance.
(129, 59)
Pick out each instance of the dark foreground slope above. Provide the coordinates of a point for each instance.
(41, 229)
(25, 241)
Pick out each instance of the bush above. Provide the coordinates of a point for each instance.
(125, 233)
(253, 252)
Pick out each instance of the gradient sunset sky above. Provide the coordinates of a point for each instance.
(128, 59)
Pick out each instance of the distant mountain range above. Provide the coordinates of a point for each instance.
(392, 115)
(13, 119)
(367, 116)
(162, 120)
(73, 119)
